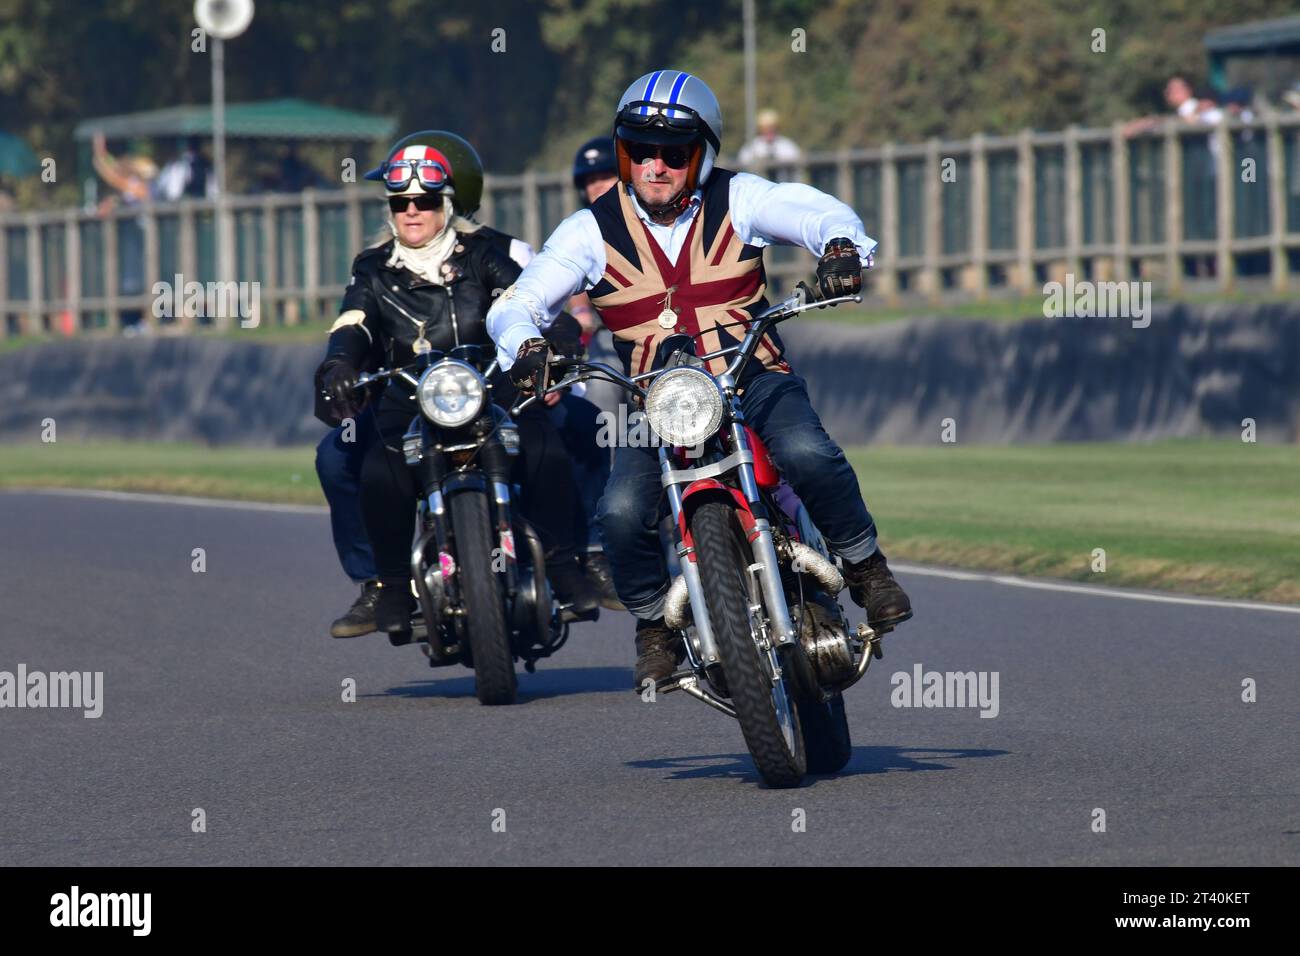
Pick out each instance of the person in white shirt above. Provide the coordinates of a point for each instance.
(769, 146)
(677, 248)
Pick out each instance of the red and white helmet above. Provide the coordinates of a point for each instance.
(417, 169)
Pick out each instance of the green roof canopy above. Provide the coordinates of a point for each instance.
(269, 119)
(1262, 55)
(1257, 36)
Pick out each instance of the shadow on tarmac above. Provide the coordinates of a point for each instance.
(864, 760)
(552, 682)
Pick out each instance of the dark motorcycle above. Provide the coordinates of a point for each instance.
(477, 568)
(766, 639)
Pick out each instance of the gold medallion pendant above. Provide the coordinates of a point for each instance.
(668, 318)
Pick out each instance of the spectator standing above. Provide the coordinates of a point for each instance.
(769, 146)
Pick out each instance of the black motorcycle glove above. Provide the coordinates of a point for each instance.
(839, 270)
(528, 371)
(338, 383)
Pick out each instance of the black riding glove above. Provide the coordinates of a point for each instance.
(529, 368)
(839, 270)
(338, 383)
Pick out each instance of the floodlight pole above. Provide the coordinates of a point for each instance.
(224, 227)
(751, 74)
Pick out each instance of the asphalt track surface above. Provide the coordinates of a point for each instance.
(223, 691)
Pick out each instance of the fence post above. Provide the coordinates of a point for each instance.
(311, 254)
(1073, 202)
(1173, 207)
(1119, 211)
(889, 223)
(487, 208)
(4, 278)
(979, 216)
(270, 265)
(1277, 202)
(1025, 211)
(844, 179)
(72, 265)
(532, 215)
(931, 235)
(1224, 169)
(355, 226)
(112, 285)
(189, 261)
(35, 275)
(151, 264)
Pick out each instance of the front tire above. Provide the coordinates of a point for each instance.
(766, 711)
(481, 597)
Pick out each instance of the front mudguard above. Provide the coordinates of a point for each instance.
(710, 489)
(758, 533)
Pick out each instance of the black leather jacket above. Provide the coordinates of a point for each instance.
(393, 301)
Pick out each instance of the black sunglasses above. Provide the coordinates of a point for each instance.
(674, 157)
(422, 203)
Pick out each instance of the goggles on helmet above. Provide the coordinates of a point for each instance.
(430, 173)
(645, 116)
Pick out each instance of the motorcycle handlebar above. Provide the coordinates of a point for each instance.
(803, 300)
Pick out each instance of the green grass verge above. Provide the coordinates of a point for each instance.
(251, 474)
(1208, 517)
(1218, 518)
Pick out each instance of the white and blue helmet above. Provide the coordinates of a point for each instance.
(670, 108)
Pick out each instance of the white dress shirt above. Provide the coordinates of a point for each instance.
(573, 258)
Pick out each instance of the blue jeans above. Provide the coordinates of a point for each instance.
(338, 466)
(777, 407)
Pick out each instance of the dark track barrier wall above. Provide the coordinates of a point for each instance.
(1195, 371)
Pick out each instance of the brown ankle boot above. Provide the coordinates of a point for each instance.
(658, 652)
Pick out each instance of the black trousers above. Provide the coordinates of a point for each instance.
(548, 499)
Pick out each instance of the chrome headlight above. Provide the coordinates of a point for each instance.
(451, 393)
(684, 407)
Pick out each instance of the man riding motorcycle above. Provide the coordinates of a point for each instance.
(429, 287)
(676, 248)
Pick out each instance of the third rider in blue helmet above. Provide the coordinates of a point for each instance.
(677, 248)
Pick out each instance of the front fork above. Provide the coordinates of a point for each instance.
(766, 563)
(707, 645)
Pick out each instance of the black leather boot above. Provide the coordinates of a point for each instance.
(873, 588)
(572, 588)
(395, 606)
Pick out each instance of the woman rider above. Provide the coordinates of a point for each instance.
(439, 269)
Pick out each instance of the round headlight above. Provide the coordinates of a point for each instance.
(451, 393)
(684, 407)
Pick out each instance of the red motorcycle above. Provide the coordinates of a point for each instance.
(766, 639)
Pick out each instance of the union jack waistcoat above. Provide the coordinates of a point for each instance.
(714, 288)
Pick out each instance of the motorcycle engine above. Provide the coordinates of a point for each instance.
(825, 641)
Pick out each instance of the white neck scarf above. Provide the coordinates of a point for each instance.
(426, 261)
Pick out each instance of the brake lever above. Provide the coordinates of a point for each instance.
(553, 387)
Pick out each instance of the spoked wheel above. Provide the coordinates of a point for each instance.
(762, 697)
(485, 616)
